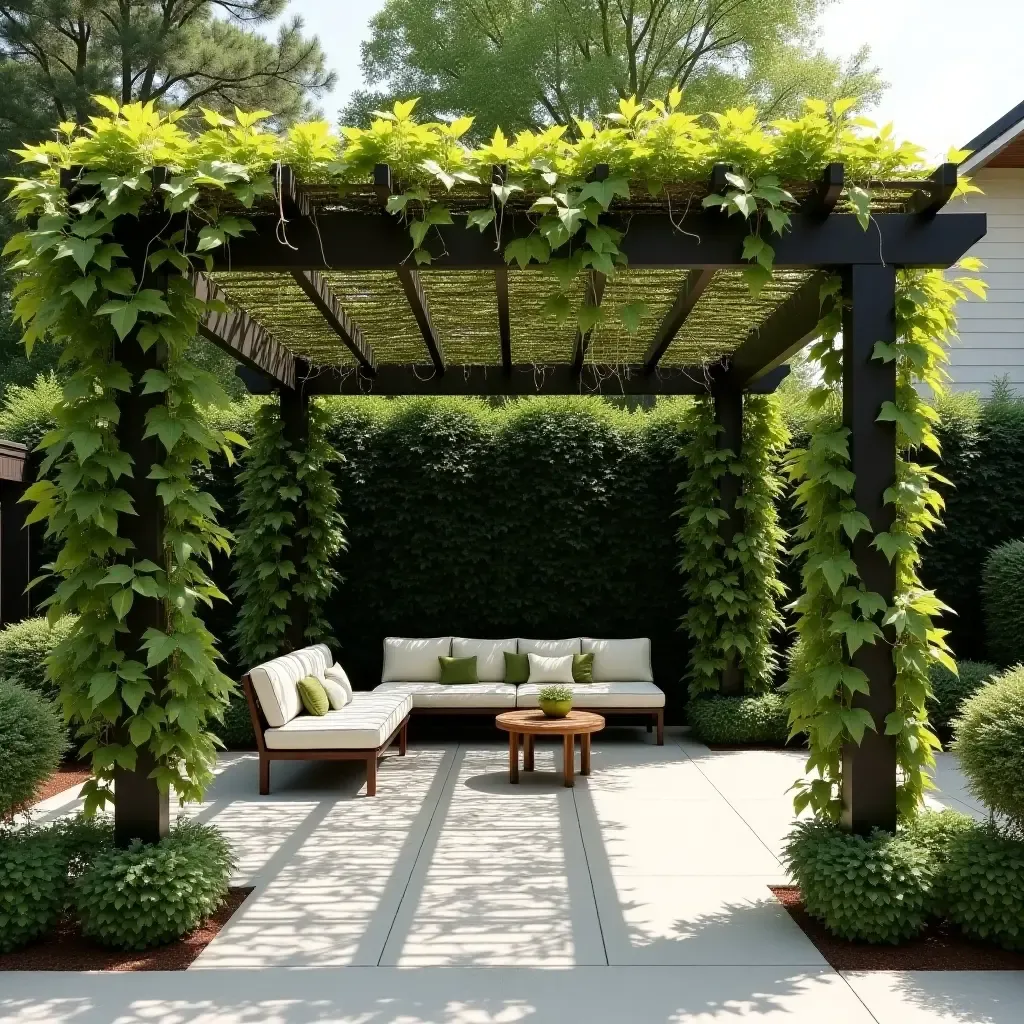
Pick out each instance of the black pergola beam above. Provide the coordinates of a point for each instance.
(504, 319)
(692, 289)
(413, 286)
(869, 316)
(593, 295)
(822, 201)
(928, 204)
(319, 292)
(347, 240)
(561, 379)
(782, 335)
(242, 337)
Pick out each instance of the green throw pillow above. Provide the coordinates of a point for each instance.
(458, 670)
(314, 696)
(583, 668)
(517, 668)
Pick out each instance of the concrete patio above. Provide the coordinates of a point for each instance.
(639, 896)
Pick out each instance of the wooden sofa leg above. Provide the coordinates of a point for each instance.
(403, 738)
(371, 774)
(264, 775)
(661, 727)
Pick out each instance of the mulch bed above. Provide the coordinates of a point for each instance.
(66, 950)
(940, 948)
(66, 776)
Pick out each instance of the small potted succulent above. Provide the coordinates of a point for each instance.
(555, 701)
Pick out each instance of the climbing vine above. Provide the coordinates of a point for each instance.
(731, 583)
(288, 493)
(837, 614)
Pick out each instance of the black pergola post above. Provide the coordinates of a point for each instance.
(141, 809)
(15, 538)
(869, 316)
(295, 423)
(728, 399)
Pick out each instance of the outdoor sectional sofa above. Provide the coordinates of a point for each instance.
(623, 680)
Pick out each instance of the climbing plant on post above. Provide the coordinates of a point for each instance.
(858, 683)
(730, 562)
(285, 564)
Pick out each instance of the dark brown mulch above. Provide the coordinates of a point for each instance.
(940, 948)
(66, 776)
(67, 950)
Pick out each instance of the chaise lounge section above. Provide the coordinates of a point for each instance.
(360, 731)
(623, 679)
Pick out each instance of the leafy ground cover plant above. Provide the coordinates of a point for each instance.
(877, 888)
(951, 689)
(148, 895)
(983, 885)
(1002, 592)
(32, 740)
(33, 883)
(990, 743)
(761, 718)
(24, 648)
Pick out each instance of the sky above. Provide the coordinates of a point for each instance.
(953, 67)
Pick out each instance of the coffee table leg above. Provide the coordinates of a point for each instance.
(528, 752)
(513, 757)
(569, 757)
(585, 754)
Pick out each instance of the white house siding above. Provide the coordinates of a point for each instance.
(991, 341)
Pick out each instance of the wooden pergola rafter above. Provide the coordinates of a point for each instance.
(335, 239)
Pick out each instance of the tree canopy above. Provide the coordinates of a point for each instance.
(520, 63)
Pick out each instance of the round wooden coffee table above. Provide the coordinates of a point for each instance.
(532, 723)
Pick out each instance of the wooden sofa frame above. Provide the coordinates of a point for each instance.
(369, 755)
(656, 714)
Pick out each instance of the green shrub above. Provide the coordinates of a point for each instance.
(28, 410)
(83, 840)
(32, 740)
(149, 895)
(33, 883)
(236, 730)
(983, 886)
(1003, 597)
(949, 691)
(990, 743)
(25, 645)
(754, 719)
(876, 888)
(935, 832)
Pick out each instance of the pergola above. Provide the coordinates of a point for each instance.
(322, 300)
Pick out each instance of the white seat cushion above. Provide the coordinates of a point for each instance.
(618, 660)
(365, 724)
(414, 659)
(599, 695)
(551, 648)
(275, 681)
(455, 695)
(489, 654)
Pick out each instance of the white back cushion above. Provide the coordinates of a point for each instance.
(409, 660)
(275, 681)
(339, 689)
(620, 661)
(551, 648)
(550, 670)
(489, 654)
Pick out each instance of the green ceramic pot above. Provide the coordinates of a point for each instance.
(556, 708)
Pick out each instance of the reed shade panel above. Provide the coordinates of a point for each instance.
(464, 311)
(538, 337)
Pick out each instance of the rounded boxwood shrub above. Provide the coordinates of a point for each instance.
(990, 742)
(1002, 590)
(149, 895)
(32, 739)
(950, 690)
(983, 886)
(33, 883)
(751, 719)
(876, 888)
(24, 647)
